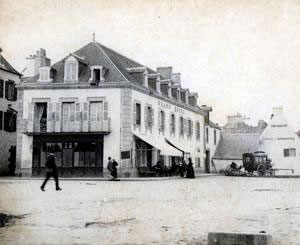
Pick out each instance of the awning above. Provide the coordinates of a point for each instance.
(160, 144)
(181, 147)
(187, 149)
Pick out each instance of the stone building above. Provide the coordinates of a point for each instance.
(9, 77)
(96, 103)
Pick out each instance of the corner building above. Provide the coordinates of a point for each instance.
(96, 103)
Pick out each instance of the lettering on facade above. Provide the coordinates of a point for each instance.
(167, 106)
(279, 125)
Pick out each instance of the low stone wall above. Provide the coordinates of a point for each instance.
(220, 238)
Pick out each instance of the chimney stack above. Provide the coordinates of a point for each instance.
(35, 62)
(176, 78)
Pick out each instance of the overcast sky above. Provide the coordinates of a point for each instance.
(240, 56)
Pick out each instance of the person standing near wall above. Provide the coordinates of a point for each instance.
(112, 168)
(190, 170)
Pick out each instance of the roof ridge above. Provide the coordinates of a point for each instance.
(100, 48)
(123, 56)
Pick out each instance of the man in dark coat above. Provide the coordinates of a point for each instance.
(51, 171)
(190, 170)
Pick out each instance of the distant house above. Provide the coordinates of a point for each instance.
(281, 143)
(237, 137)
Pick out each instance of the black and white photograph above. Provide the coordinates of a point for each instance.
(132, 122)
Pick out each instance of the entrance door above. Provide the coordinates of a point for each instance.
(68, 116)
(207, 162)
(96, 115)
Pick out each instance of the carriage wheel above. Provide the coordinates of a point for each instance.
(261, 170)
(228, 170)
(272, 172)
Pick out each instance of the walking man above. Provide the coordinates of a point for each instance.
(51, 170)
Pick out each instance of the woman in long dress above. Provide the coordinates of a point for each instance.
(190, 170)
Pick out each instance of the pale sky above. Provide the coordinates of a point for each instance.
(239, 55)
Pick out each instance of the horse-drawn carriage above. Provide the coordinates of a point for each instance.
(256, 163)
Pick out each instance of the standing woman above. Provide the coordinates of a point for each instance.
(190, 170)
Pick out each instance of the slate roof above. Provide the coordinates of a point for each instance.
(96, 54)
(8, 67)
(232, 146)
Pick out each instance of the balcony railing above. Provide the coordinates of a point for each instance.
(53, 126)
(40, 125)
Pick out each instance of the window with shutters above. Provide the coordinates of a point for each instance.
(197, 131)
(10, 121)
(1, 119)
(189, 129)
(291, 152)
(40, 117)
(149, 116)
(172, 124)
(68, 116)
(181, 126)
(10, 90)
(207, 135)
(138, 114)
(215, 137)
(96, 115)
(1, 88)
(161, 120)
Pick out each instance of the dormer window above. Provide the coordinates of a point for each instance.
(44, 74)
(97, 74)
(71, 69)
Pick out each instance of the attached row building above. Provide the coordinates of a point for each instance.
(9, 78)
(96, 103)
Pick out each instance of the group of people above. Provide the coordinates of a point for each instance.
(183, 169)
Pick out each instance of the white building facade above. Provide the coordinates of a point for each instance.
(281, 143)
(95, 104)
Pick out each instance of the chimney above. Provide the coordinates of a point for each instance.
(169, 90)
(193, 99)
(187, 97)
(158, 90)
(278, 116)
(35, 62)
(176, 78)
(40, 60)
(146, 78)
(165, 72)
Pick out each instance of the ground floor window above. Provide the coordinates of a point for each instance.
(69, 154)
(290, 152)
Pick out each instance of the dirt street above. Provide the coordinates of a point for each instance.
(178, 211)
